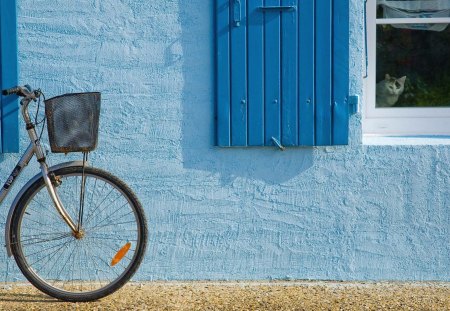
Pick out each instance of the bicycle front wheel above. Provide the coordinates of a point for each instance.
(86, 266)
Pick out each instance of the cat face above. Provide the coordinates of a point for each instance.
(393, 85)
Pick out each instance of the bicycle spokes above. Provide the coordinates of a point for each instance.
(97, 259)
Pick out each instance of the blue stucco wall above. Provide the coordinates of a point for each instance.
(346, 213)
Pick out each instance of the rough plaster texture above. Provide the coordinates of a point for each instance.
(345, 213)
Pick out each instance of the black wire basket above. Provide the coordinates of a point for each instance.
(73, 122)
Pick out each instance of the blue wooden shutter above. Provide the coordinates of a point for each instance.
(9, 138)
(282, 72)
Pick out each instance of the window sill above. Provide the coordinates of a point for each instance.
(380, 140)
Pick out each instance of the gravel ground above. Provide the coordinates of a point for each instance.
(245, 296)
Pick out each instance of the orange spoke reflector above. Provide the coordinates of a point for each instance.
(120, 254)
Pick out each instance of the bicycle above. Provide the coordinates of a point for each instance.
(97, 253)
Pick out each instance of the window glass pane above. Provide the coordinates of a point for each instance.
(412, 67)
(413, 8)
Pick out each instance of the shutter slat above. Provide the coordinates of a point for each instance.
(289, 75)
(323, 62)
(9, 76)
(255, 74)
(282, 72)
(341, 72)
(238, 74)
(272, 73)
(306, 72)
(223, 72)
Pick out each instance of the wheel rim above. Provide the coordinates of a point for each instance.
(79, 265)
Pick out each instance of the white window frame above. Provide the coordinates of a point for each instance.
(398, 121)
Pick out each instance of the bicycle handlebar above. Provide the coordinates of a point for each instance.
(11, 91)
(28, 95)
(22, 91)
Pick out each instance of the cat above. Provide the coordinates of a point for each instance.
(389, 90)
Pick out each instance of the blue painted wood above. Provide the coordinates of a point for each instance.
(255, 73)
(289, 75)
(272, 73)
(323, 116)
(340, 72)
(306, 56)
(282, 74)
(8, 75)
(239, 77)
(223, 73)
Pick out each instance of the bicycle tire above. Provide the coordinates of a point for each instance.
(68, 286)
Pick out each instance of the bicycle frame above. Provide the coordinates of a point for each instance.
(24, 160)
(34, 148)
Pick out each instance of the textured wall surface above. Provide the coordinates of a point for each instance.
(347, 213)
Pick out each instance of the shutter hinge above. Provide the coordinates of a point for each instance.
(237, 12)
(353, 104)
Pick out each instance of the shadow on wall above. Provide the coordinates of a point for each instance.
(198, 99)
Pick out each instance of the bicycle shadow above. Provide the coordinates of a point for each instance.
(196, 55)
(21, 298)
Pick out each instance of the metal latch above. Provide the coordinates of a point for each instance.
(278, 8)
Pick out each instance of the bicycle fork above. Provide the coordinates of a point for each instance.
(40, 155)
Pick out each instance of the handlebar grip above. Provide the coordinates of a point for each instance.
(11, 91)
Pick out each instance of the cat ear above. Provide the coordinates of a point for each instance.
(387, 77)
(402, 79)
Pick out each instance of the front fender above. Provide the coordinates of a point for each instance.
(19, 195)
